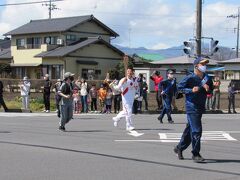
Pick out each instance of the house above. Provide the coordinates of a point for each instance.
(232, 68)
(81, 45)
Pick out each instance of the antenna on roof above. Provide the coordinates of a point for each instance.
(51, 7)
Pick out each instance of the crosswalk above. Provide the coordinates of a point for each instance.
(175, 137)
(206, 136)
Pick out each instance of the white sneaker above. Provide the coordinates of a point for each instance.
(115, 121)
(130, 128)
(47, 111)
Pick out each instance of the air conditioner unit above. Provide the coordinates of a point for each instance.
(59, 41)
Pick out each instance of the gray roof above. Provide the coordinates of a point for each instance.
(56, 25)
(181, 60)
(65, 50)
(230, 61)
(5, 44)
(5, 54)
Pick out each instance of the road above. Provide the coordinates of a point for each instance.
(32, 147)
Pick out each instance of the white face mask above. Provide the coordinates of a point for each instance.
(202, 68)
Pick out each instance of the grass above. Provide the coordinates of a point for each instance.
(36, 104)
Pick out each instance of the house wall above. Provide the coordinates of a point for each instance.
(91, 29)
(232, 71)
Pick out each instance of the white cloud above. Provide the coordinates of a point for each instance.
(160, 46)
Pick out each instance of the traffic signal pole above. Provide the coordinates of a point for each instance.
(199, 28)
(238, 16)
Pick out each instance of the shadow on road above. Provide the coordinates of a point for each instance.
(125, 158)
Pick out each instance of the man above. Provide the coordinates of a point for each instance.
(2, 103)
(46, 93)
(116, 98)
(145, 93)
(128, 86)
(157, 78)
(168, 88)
(216, 93)
(66, 102)
(195, 87)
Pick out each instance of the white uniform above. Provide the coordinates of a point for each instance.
(129, 89)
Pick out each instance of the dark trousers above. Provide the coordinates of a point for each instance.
(46, 99)
(159, 99)
(2, 103)
(192, 134)
(231, 103)
(94, 104)
(145, 100)
(117, 101)
(84, 104)
(167, 109)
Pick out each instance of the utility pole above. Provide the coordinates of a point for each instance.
(238, 26)
(199, 28)
(238, 32)
(51, 7)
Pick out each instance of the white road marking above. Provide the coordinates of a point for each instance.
(175, 137)
(135, 133)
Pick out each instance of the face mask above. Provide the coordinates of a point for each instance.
(144, 80)
(202, 68)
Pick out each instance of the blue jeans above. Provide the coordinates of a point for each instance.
(167, 109)
(192, 134)
(84, 103)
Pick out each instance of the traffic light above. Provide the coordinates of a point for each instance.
(214, 47)
(188, 49)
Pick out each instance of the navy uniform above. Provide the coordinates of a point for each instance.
(46, 93)
(169, 88)
(195, 87)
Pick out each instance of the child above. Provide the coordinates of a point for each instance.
(93, 96)
(102, 93)
(76, 100)
(108, 101)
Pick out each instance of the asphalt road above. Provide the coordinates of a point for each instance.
(32, 148)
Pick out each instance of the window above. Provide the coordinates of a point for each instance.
(71, 37)
(50, 40)
(20, 43)
(34, 43)
(91, 74)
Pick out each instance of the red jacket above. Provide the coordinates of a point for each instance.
(157, 80)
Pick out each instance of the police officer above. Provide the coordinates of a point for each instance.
(46, 93)
(66, 102)
(168, 88)
(195, 87)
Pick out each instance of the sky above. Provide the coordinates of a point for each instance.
(153, 24)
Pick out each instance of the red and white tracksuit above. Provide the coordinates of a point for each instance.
(129, 90)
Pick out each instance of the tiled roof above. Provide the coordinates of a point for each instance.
(5, 54)
(65, 50)
(56, 25)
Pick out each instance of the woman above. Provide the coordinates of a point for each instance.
(84, 93)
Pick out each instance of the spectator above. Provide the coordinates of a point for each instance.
(102, 93)
(140, 93)
(93, 97)
(209, 100)
(157, 78)
(76, 101)
(56, 88)
(216, 93)
(231, 98)
(25, 92)
(84, 93)
(46, 93)
(2, 103)
(108, 101)
(116, 96)
(145, 93)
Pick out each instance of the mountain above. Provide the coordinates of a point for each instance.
(166, 53)
(224, 53)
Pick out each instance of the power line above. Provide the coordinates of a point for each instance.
(26, 3)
